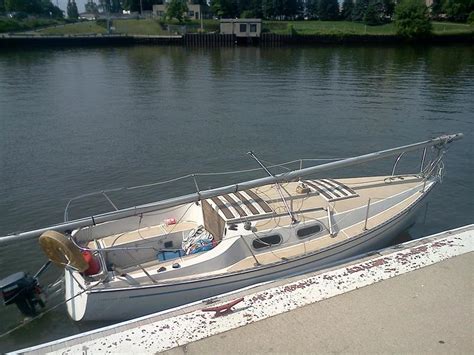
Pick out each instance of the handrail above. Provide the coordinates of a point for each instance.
(438, 142)
(396, 162)
(187, 176)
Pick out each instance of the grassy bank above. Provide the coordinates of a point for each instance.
(87, 27)
(11, 25)
(354, 28)
(154, 27)
(130, 26)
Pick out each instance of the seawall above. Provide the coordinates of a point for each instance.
(214, 40)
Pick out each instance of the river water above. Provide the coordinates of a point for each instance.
(73, 121)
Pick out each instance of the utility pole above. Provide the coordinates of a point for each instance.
(200, 16)
(108, 17)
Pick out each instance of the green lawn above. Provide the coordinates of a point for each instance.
(153, 27)
(327, 27)
(347, 27)
(138, 27)
(86, 27)
(129, 26)
(451, 28)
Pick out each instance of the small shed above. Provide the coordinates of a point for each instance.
(247, 27)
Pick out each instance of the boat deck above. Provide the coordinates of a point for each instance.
(307, 207)
(314, 206)
(323, 241)
(146, 233)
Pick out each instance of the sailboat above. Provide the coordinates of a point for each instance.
(140, 260)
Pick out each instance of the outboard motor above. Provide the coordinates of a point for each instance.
(23, 290)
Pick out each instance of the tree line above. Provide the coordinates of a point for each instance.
(372, 12)
(369, 11)
(22, 8)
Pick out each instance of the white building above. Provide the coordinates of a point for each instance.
(194, 11)
(247, 27)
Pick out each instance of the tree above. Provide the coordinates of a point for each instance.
(176, 9)
(104, 5)
(71, 10)
(256, 8)
(378, 12)
(347, 7)
(412, 19)
(52, 10)
(293, 8)
(328, 10)
(33, 7)
(458, 10)
(470, 19)
(134, 5)
(372, 16)
(279, 9)
(359, 10)
(27, 6)
(225, 8)
(436, 7)
(91, 7)
(269, 9)
(311, 10)
(388, 8)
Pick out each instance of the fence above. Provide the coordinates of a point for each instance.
(208, 40)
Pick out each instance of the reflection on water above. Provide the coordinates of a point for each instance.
(80, 120)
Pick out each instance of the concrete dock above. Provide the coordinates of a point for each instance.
(429, 310)
(420, 299)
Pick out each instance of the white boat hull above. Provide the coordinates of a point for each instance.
(126, 303)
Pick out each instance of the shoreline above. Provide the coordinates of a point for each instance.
(217, 40)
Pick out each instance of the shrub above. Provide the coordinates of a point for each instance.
(291, 30)
(101, 23)
(371, 16)
(458, 10)
(412, 19)
(12, 25)
(8, 25)
(470, 19)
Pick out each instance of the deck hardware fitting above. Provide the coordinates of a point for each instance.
(223, 309)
